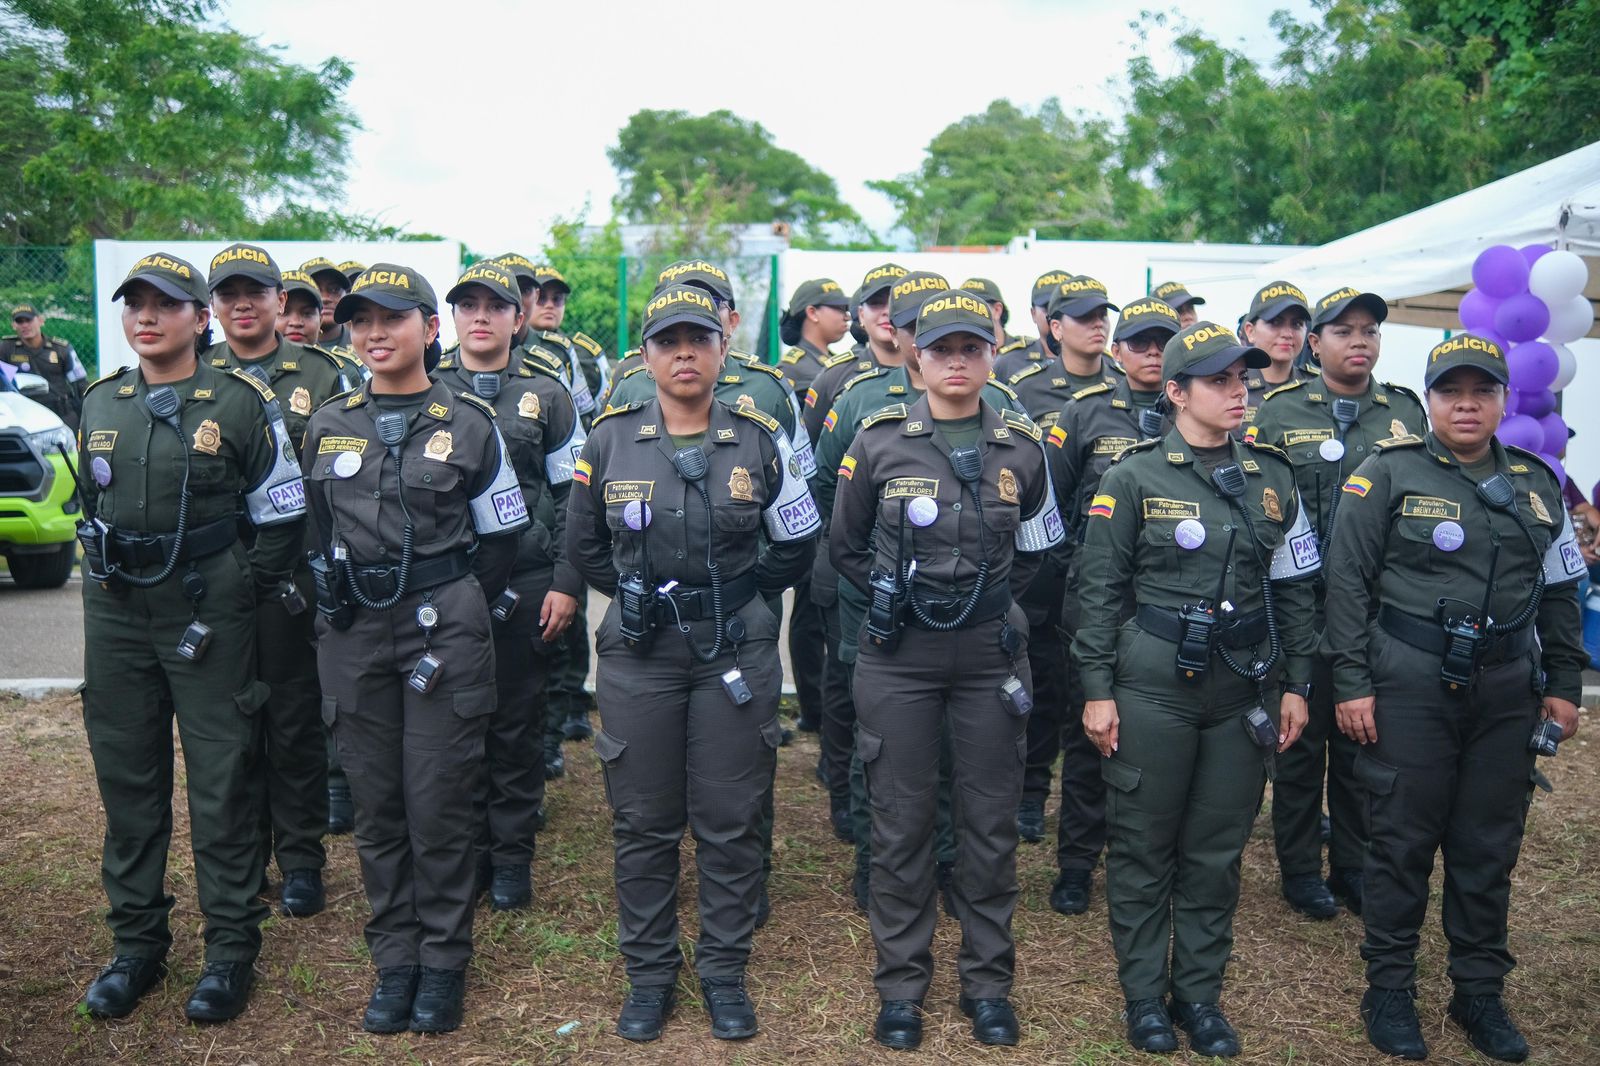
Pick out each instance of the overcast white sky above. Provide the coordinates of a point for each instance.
(484, 120)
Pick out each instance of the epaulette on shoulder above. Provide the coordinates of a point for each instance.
(895, 412)
(631, 352)
(1016, 345)
(554, 337)
(1022, 424)
(541, 360)
(761, 418)
(838, 360)
(337, 397)
(1402, 390)
(249, 379)
(756, 364)
(1313, 369)
(1006, 390)
(1027, 371)
(865, 375)
(1136, 446)
(114, 375)
(1091, 390)
(1284, 388)
(338, 364)
(792, 356)
(1524, 453)
(1266, 449)
(481, 404)
(1410, 440)
(587, 343)
(632, 370)
(609, 411)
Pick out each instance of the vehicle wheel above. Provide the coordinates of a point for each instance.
(49, 570)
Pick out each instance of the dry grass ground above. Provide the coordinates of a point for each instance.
(545, 985)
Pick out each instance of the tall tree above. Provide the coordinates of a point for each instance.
(991, 176)
(143, 122)
(663, 157)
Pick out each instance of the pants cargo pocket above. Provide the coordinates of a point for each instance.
(869, 749)
(772, 733)
(1122, 803)
(473, 704)
(609, 750)
(252, 697)
(1377, 780)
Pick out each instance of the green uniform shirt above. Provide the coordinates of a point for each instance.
(1043, 388)
(1133, 551)
(800, 364)
(1094, 427)
(303, 377)
(826, 387)
(1411, 529)
(1260, 386)
(1298, 419)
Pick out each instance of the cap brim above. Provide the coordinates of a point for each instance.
(1279, 306)
(27, 314)
(672, 320)
(1193, 301)
(1254, 358)
(864, 295)
(1375, 305)
(336, 272)
(166, 285)
(940, 332)
(455, 291)
(225, 274)
(349, 302)
(553, 281)
(1495, 368)
(1125, 330)
(1084, 304)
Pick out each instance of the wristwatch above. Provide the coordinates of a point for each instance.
(1302, 689)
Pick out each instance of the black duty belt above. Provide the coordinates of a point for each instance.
(1425, 634)
(1236, 631)
(153, 549)
(694, 601)
(381, 582)
(946, 607)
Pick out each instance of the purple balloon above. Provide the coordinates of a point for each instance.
(1522, 432)
(1533, 366)
(1536, 404)
(1500, 271)
(1555, 464)
(1555, 434)
(1477, 311)
(1521, 318)
(1532, 252)
(1513, 402)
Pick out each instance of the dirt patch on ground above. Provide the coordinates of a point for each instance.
(1292, 989)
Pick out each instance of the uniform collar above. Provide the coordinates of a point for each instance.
(1178, 451)
(1445, 457)
(992, 428)
(201, 386)
(722, 428)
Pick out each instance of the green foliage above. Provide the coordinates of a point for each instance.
(589, 263)
(989, 177)
(131, 118)
(665, 157)
(60, 283)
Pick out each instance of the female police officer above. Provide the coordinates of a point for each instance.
(962, 504)
(536, 416)
(669, 499)
(171, 450)
(406, 479)
(1201, 535)
(1453, 629)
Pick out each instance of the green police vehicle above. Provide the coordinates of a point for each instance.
(39, 504)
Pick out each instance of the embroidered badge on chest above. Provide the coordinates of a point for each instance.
(1008, 486)
(208, 438)
(740, 486)
(439, 446)
(1270, 505)
(528, 406)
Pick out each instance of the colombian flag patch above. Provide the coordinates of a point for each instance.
(847, 468)
(1058, 436)
(1103, 506)
(1250, 434)
(581, 472)
(1357, 486)
(831, 421)
(811, 397)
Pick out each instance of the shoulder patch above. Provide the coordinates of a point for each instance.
(1092, 390)
(895, 412)
(587, 343)
(114, 375)
(1021, 423)
(249, 379)
(1410, 440)
(1027, 371)
(480, 404)
(1284, 388)
(760, 418)
(609, 411)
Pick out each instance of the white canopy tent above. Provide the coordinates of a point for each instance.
(1422, 264)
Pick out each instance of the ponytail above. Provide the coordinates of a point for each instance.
(789, 328)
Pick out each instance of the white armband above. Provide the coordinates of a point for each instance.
(1299, 554)
(1563, 562)
(792, 514)
(500, 508)
(280, 496)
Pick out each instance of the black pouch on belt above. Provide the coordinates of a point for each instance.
(1194, 640)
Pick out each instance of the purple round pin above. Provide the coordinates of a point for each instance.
(1448, 536)
(922, 511)
(636, 514)
(1190, 534)
(101, 471)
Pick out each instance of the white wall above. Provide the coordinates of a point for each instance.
(439, 262)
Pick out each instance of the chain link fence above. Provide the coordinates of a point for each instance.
(59, 282)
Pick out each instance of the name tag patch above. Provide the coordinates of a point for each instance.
(102, 440)
(1112, 445)
(1430, 507)
(1291, 437)
(329, 445)
(1160, 508)
(623, 491)
(905, 487)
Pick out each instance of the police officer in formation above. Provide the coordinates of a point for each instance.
(51, 358)
(543, 436)
(1095, 426)
(1276, 323)
(688, 513)
(301, 320)
(943, 507)
(332, 283)
(1176, 295)
(1205, 539)
(418, 515)
(1453, 631)
(990, 291)
(173, 451)
(1328, 424)
(247, 296)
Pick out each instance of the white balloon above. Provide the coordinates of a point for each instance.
(1569, 319)
(1568, 364)
(1557, 277)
